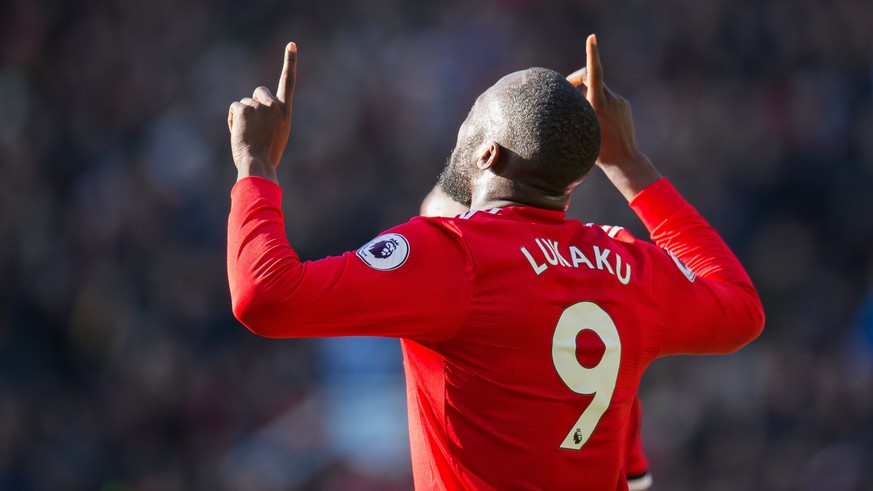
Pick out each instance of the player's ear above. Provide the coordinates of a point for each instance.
(488, 156)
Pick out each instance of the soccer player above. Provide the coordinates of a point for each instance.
(524, 334)
(636, 466)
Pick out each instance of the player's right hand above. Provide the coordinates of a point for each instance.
(259, 125)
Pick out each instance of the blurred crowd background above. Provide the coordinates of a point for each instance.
(122, 368)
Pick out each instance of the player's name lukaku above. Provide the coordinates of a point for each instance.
(549, 253)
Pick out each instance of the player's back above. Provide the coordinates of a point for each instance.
(524, 335)
(540, 378)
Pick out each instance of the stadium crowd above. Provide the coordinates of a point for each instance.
(122, 367)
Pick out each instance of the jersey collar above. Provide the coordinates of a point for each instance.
(518, 213)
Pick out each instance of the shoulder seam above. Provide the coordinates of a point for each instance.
(473, 280)
(448, 226)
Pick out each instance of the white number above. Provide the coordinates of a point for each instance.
(598, 380)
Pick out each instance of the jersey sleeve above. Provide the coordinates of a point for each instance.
(414, 281)
(636, 465)
(709, 304)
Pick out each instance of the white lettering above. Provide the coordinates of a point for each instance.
(578, 257)
(553, 245)
(538, 268)
(553, 256)
(550, 256)
(600, 257)
(626, 278)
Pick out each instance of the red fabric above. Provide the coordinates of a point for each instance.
(477, 304)
(635, 461)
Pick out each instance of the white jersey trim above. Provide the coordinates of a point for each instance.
(641, 483)
(682, 267)
(611, 230)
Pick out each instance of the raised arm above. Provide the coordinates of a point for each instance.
(708, 300)
(389, 287)
(629, 170)
(259, 125)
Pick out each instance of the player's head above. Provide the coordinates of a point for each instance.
(532, 135)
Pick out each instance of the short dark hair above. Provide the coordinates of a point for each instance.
(550, 125)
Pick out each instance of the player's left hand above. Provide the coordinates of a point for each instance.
(620, 158)
(259, 125)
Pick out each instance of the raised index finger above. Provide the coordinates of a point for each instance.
(289, 74)
(595, 69)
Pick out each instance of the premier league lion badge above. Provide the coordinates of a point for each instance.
(682, 267)
(385, 252)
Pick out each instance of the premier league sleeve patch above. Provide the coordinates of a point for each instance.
(682, 267)
(385, 252)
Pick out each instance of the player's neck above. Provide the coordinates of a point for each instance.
(496, 203)
(495, 191)
(519, 197)
(502, 203)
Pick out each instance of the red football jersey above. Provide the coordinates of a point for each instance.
(636, 465)
(524, 334)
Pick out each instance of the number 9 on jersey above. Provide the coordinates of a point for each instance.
(598, 380)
